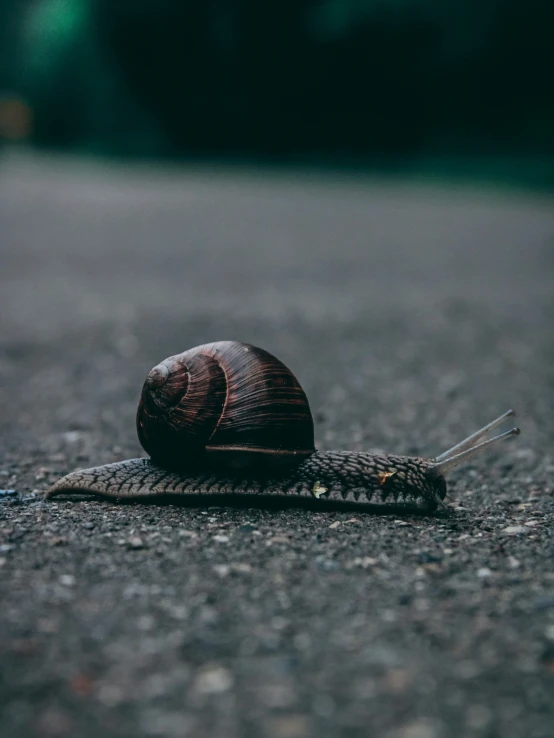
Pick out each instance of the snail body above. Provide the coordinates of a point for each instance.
(229, 418)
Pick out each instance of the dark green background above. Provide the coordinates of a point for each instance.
(457, 85)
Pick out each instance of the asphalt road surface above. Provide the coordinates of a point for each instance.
(412, 315)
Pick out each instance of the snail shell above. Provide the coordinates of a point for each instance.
(231, 402)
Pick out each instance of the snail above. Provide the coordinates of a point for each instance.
(230, 418)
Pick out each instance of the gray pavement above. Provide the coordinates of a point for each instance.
(411, 314)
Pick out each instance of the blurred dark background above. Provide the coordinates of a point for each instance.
(412, 312)
(452, 85)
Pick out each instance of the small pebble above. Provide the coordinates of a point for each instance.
(514, 530)
(326, 564)
(214, 680)
(8, 492)
(71, 436)
(68, 580)
(247, 528)
(549, 632)
(364, 562)
(42, 473)
(242, 568)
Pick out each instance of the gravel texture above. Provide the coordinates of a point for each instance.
(411, 315)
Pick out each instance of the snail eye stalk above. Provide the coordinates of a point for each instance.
(471, 440)
(470, 446)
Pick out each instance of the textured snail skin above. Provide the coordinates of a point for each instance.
(388, 481)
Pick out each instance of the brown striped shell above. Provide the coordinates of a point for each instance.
(232, 401)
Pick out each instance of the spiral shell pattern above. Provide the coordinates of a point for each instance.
(232, 401)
